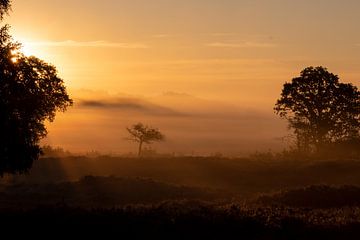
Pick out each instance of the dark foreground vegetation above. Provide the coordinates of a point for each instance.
(315, 196)
(109, 192)
(187, 220)
(185, 198)
(98, 192)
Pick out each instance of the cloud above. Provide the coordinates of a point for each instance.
(190, 108)
(118, 105)
(241, 45)
(71, 43)
(224, 34)
(176, 94)
(130, 105)
(162, 35)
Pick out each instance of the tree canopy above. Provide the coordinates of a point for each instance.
(4, 7)
(141, 134)
(320, 109)
(31, 93)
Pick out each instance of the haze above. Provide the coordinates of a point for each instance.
(206, 72)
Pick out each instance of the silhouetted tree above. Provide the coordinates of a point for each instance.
(320, 109)
(141, 134)
(31, 93)
(4, 7)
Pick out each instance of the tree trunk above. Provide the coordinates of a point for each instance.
(140, 148)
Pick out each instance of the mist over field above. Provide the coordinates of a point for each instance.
(191, 125)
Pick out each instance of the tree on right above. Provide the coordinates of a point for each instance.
(322, 111)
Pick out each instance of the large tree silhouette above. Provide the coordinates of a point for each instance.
(31, 93)
(320, 109)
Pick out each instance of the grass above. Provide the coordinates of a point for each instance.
(185, 198)
(191, 220)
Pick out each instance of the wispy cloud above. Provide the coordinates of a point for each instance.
(136, 105)
(224, 34)
(241, 45)
(104, 44)
(162, 35)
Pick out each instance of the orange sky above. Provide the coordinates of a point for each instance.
(233, 51)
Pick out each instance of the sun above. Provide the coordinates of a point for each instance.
(34, 48)
(27, 49)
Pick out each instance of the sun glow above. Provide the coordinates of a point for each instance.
(27, 49)
(33, 48)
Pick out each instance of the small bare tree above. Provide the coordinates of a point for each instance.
(141, 134)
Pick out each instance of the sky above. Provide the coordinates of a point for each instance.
(233, 52)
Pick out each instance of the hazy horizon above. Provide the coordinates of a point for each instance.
(232, 57)
(192, 125)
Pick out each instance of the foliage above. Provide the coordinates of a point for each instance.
(141, 134)
(4, 7)
(314, 196)
(31, 93)
(320, 109)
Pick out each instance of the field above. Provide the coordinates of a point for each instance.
(187, 197)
